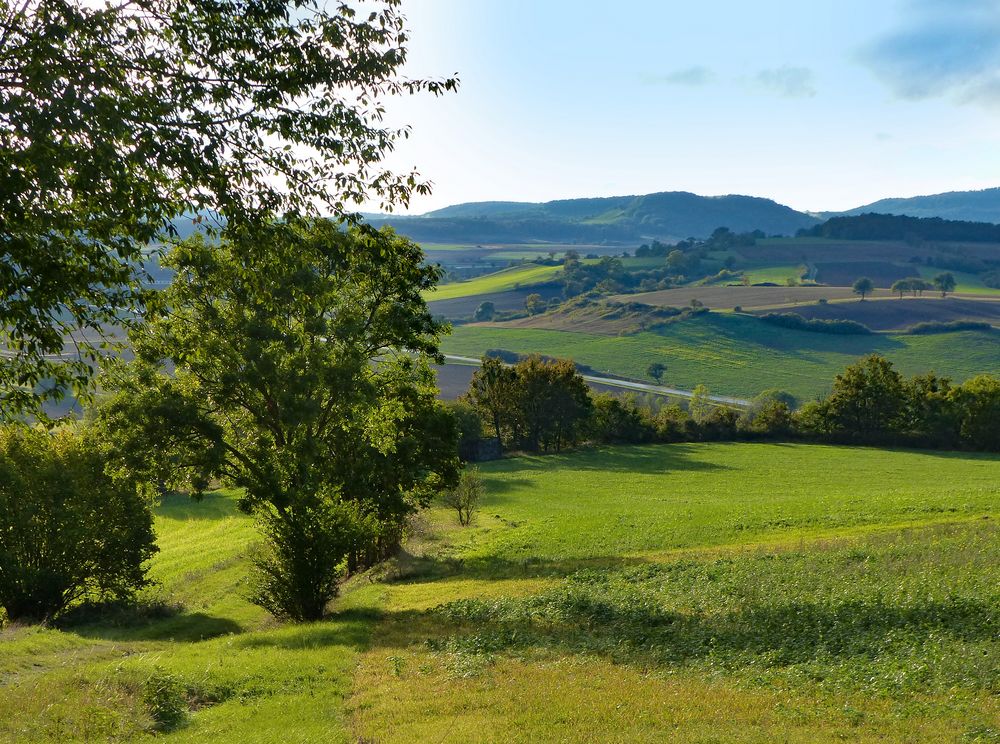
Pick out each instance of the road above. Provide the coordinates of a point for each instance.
(641, 387)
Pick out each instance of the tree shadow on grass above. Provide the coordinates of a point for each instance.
(652, 459)
(152, 621)
(422, 568)
(638, 633)
(349, 627)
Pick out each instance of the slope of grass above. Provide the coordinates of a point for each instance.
(695, 592)
(739, 355)
(965, 283)
(700, 593)
(500, 281)
(245, 677)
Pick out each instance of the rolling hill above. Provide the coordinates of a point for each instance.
(974, 206)
(623, 219)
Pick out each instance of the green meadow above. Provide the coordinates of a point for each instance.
(500, 281)
(739, 355)
(691, 592)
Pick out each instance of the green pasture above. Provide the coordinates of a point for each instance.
(774, 274)
(739, 355)
(500, 281)
(692, 593)
(965, 283)
(746, 592)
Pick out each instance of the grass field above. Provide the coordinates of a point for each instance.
(500, 281)
(729, 297)
(739, 355)
(897, 314)
(698, 592)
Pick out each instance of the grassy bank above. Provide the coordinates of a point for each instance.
(695, 592)
(739, 355)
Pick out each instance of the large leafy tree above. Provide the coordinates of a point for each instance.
(118, 118)
(299, 355)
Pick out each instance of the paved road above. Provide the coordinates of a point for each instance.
(629, 385)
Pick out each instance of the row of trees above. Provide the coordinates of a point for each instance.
(535, 404)
(943, 283)
(870, 403)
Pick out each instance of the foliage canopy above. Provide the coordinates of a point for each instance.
(119, 118)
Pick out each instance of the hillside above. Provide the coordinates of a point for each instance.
(615, 594)
(736, 355)
(974, 206)
(623, 219)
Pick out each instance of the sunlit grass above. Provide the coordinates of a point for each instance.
(738, 355)
(500, 281)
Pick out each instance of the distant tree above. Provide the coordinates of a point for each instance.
(618, 420)
(656, 371)
(469, 426)
(771, 417)
(554, 401)
(867, 398)
(978, 402)
(945, 283)
(485, 311)
(493, 393)
(918, 285)
(863, 286)
(700, 405)
(465, 497)
(676, 261)
(68, 530)
(929, 412)
(900, 286)
(534, 304)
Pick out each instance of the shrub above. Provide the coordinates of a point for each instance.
(465, 497)
(163, 696)
(68, 530)
(934, 326)
(298, 570)
(797, 322)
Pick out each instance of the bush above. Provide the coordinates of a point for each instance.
(68, 530)
(297, 572)
(465, 497)
(798, 323)
(934, 326)
(163, 696)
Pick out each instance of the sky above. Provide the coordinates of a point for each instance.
(820, 105)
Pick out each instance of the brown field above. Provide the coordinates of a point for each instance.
(812, 250)
(725, 298)
(882, 273)
(897, 314)
(464, 307)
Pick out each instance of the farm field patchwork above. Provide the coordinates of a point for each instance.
(741, 592)
(739, 355)
(897, 314)
(729, 297)
(512, 278)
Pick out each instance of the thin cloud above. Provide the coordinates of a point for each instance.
(692, 76)
(951, 50)
(787, 81)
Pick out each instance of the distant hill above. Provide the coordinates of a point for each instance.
(618, 219)
(972, 206)
(870, 226)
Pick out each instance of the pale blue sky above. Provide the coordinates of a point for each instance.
(819, 105)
